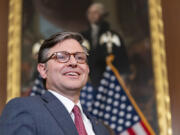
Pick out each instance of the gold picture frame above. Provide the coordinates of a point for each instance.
(158, 57)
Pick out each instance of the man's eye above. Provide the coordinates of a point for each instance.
(80, 58)
(61, 56)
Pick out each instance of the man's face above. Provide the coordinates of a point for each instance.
(93, 14)
(64, 77)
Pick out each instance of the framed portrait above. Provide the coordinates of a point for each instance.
(141, 28)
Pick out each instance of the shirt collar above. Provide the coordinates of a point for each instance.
(69, 104)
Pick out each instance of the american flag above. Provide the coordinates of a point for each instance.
(38, 87)
(114, 105)
(111, 102)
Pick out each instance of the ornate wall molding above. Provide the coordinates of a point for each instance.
(159, 66)
(14, 49)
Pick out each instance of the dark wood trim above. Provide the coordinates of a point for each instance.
(4, 4)
(171, 18)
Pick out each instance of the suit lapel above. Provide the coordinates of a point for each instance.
(95, 123)
(60, 114)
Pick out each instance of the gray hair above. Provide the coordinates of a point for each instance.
(100, 7)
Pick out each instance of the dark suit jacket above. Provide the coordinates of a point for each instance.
(97, 56)
(41, 115)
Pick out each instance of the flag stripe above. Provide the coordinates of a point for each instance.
(139, 129)
(131, 131)
(145, 128)
(125, 133)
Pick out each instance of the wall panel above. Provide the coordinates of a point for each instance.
(3, 50)
(171, 17)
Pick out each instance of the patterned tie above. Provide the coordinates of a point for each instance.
(78, 121)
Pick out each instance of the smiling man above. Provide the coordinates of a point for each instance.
(62, 63)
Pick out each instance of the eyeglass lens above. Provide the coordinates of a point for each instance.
(65, 56)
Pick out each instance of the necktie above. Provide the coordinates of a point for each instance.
(78, 121)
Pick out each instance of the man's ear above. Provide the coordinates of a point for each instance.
(41, 67)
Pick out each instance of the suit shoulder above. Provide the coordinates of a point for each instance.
(24, 99)
(22, 103)
(16, 117)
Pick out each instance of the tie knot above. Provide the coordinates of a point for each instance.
(76, 110)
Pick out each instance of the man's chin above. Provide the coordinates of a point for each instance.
(74, 84)
(74, 87)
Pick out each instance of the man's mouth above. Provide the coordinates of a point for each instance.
(72, 73)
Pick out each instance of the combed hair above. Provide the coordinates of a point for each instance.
(57, 38)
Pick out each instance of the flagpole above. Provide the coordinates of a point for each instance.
(109, 60)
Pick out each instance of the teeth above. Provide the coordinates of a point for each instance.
(71, 73)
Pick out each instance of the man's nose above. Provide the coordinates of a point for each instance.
(72, 60)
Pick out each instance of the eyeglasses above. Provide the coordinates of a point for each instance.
(63, 57)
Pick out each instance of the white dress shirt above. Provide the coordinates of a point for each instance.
(69, 106)
(94, 34)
